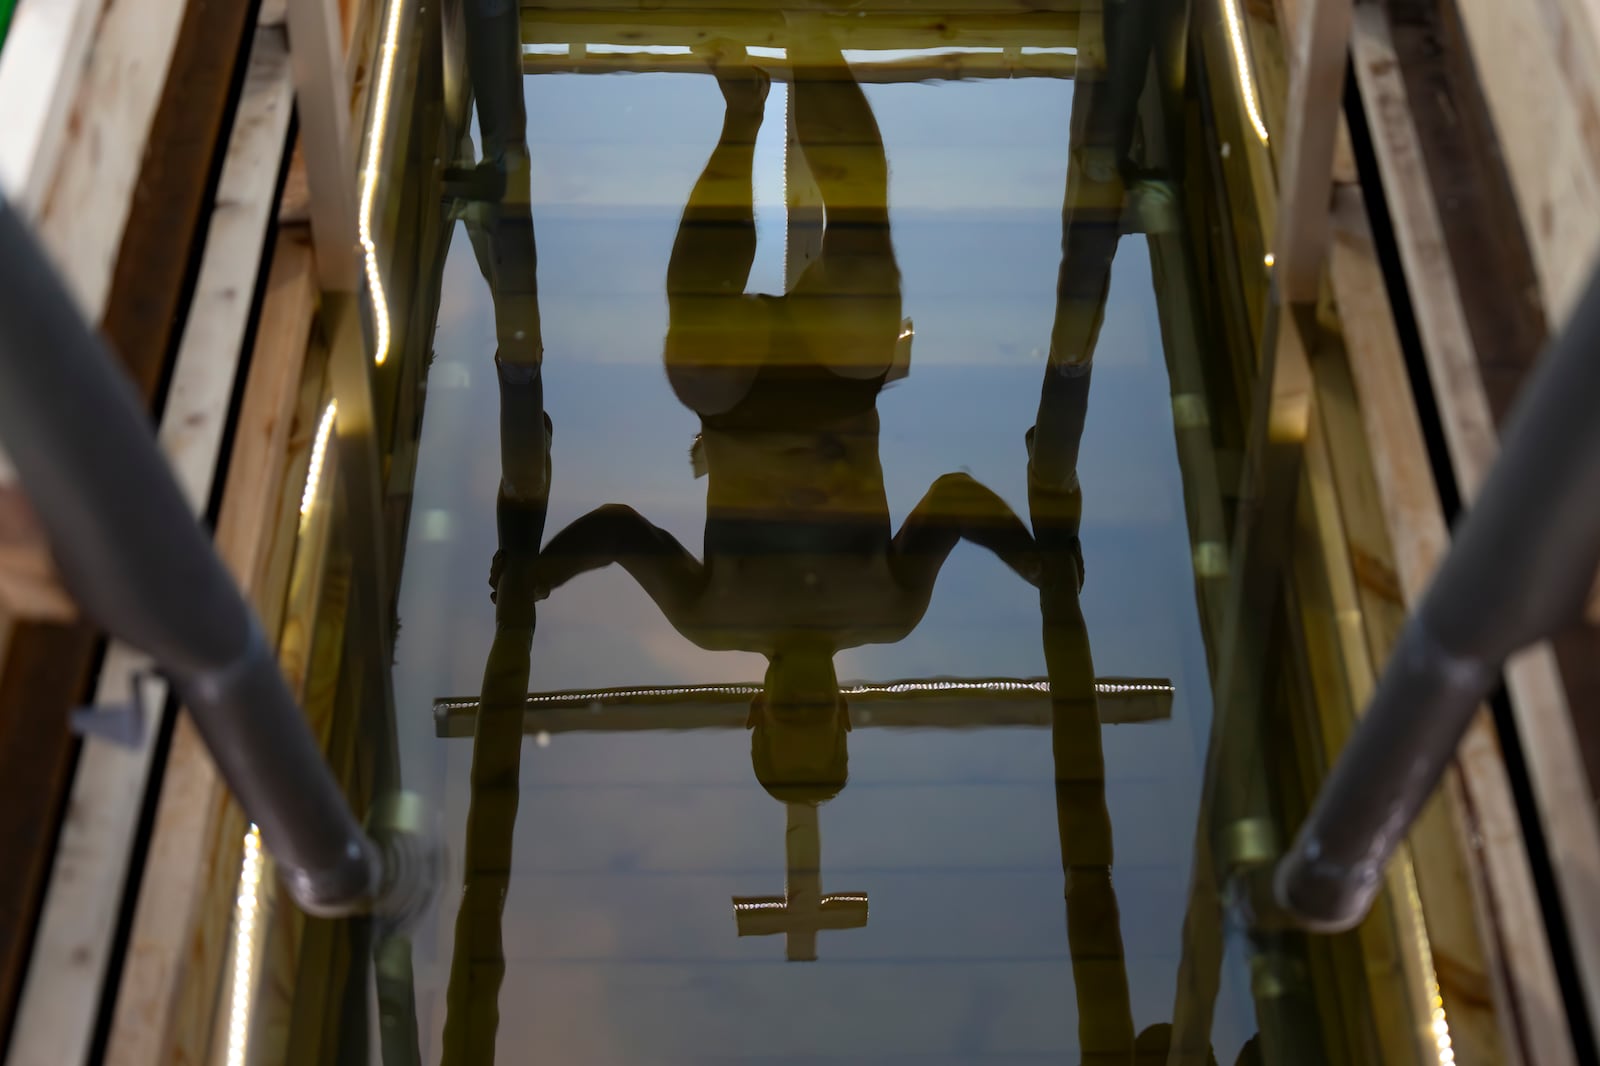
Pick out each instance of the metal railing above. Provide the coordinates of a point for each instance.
(1521, 567)
(131, 553)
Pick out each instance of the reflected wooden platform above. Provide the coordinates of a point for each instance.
(954, 67)
(937, 703)
(1037, 43)
(761, 26)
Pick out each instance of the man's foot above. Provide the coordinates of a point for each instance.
(744, 85)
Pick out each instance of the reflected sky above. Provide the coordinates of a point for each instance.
(618, 927)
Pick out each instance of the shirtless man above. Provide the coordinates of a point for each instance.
(799, 559)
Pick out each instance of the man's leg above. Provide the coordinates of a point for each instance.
(847, 303)
(714, 343)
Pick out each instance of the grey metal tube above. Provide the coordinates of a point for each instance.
(132, 554)
(1520, 568)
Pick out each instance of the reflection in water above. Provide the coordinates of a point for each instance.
(499, 219)
(799, 560)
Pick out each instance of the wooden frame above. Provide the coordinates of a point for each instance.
(1483, 912)
(1456, 366)
(55, 1017)
(76, 182)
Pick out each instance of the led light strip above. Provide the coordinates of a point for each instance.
(1438, 1025)
(319, 455)
(1241, 64)
(246, 909)
(1040, 686)
(369, 180)
(780, 904)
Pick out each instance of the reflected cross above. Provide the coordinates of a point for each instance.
(802, 911)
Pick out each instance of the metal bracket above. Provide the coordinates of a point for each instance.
(122, 723)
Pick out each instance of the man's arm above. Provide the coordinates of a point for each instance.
(956, 508)
(619, 534)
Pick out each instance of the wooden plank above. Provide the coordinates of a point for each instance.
(322, 93)
(48, 667)
(56, 1016)
(91, 195)
(1538, 700)
(41, 68)
(1501, 296)
(1531, 59)
(77, 179)
(950, 67)
(1473, 193)
(313, 647)
(36, 750)
(172, 165)
(1465, 909)
(1357, 597)
(29, 584)
(157, 155)
(167, 957)
(1393, 938)
(148, 285)
(767, 29)
(310, 642)
(267, 414)
(1305, 162)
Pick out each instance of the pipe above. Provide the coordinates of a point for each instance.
(128, 548)
(1520, 568)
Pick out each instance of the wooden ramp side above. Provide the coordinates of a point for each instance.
(143, 142)
(1480, 288)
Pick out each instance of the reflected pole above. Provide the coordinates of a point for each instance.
(499, 221)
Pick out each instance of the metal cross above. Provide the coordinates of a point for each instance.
(802, 911)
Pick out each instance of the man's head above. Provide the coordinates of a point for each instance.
(798, 725)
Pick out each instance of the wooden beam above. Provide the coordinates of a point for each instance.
(1537, 66)
(1560, 785)
(29, 585)
(1478, 811)
(1346, 572)
(766, 29)
(1121, 701)
(322, 98)
(77, 180)
(41, 69)
(948, 67)
(55, 1018)
(162, 957)
(148, 145)
(1305, 160)
(44, 674)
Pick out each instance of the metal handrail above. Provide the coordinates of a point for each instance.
(1520, 568)
(133, 556)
